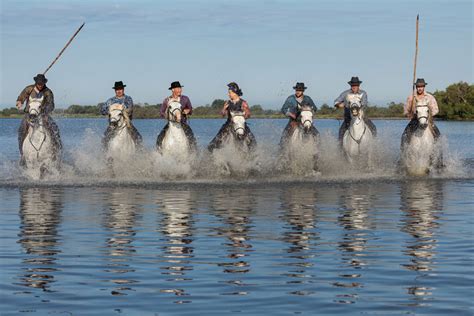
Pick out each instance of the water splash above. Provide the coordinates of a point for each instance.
(85, 164)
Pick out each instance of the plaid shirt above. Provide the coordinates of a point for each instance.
(409, 109)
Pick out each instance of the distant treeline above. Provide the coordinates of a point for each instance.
(455, 103)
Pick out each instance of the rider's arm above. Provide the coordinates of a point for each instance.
(311, 104)
(364, 101)
(25, 93)
(129, 105)
(286, 108)
(433, 105)
(246, 109)
(339, 102)
(186, 106)
(407, 110)
(48, 102)
(164, 106)
(224, 109)
(104, 107)
(23, 96)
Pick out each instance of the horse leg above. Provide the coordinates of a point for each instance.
(110, 166)
(371, 126)
(252, 142)
(190, 136)
(22, 133)
(408, 132)
(161, 136)
(342, 130)
(216, 142)
(136, 136)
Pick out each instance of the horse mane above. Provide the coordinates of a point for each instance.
(126, 118)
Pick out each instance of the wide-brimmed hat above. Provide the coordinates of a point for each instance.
(118, 85)
(300, 86)
(354, 81)
(235, 87)
(175, 84)
(420, 82)
(40, 78)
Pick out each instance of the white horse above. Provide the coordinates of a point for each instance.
(420, 151)
(238, 136)
(40, 152)
(175, 142)
(300, 150)
(357, 142)
(234, 148)
(120, 143)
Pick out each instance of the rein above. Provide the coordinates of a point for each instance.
(358, 141)
(32, 125)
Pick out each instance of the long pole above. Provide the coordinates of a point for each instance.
(416, 56)
(64, 48)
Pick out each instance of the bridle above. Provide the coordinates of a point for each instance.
(122, 117)
(33, 124)
(420, 117)
(358, 141)
(306, 120)
(238, 127)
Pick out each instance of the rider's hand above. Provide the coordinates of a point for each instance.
(292, 115)
(186, 111)
(19, 105)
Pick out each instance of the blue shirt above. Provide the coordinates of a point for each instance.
(291, 104)
(125, 100)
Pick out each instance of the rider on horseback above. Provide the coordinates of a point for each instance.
(235, 104)
(344, 101)
(38, 92)
(292, 109)
(120, 98)
(186, 109)
(422, 98)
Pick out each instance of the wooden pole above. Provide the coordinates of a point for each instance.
(64, 48)
(416, 56)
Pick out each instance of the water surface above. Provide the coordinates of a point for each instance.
(346, 242)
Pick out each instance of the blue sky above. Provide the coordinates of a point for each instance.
(264, 45)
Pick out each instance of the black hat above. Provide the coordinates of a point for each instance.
(118, 85)
(354, 81)
(420, 82)
(175, 84)
(235, 87)
(40, 78)
(300, 86)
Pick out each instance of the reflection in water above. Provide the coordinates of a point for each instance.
(177, 227)
(234, 209)
(298, 205)
(40, 215)
(357, 225)
(120, 217)
(421, 202)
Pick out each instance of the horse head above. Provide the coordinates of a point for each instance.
(118, 116)
(174, 113)
(356, 109)
(422, 115)
(238, 123)
(305, 117)
(34, 111)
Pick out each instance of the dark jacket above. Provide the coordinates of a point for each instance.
(48, 102)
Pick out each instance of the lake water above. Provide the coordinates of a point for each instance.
(147, 243)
